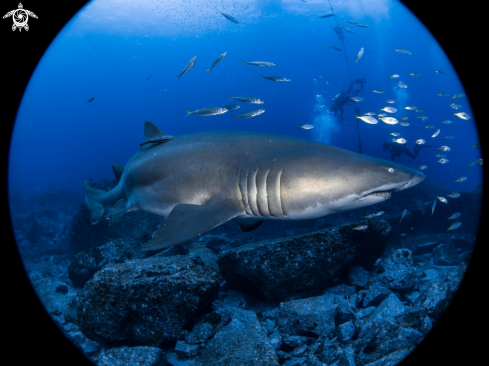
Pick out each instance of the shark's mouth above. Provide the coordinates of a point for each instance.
(384, 194)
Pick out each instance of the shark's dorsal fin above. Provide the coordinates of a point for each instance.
(118, 169)
(151, 131)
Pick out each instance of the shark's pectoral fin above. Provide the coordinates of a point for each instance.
(187, 221)
(118, 169)
(116, 212)
(247, 224)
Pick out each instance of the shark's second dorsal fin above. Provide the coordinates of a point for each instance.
(151, 131)
(118, 169)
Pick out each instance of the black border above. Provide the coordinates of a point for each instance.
(33, 337)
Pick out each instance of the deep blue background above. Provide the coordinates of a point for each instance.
(59, 140)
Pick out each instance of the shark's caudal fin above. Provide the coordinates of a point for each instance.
(208, 70)
(187, 221)
(97, 199)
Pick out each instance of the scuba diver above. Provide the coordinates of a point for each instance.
(397, 149)
(343, 98)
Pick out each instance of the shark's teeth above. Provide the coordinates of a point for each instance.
(384, 194)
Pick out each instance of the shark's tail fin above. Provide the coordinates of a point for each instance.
(97, 199)
(208, 71)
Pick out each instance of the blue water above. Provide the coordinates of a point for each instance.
(109, 50)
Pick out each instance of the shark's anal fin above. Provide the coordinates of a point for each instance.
(246, 224)
(118, 169)
(116, 212)
(188, 221)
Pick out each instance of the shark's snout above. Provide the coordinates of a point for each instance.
(415, 179)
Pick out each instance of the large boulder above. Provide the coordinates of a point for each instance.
(87, 262)
(281, 267)
(240, 342)
(396, 272)
(146, 301)
(132, 356)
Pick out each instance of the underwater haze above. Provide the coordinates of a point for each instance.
(361, 286)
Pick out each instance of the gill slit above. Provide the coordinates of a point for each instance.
(280, 192)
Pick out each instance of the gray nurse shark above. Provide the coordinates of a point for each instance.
(201, 180)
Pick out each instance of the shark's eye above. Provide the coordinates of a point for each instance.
(391, 170)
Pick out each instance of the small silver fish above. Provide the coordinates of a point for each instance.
(368, 119)
(422, 167)
(307, 127)
(188, 66)
(278, 79)
(423, 118)
(419, 142)
(357, 99)
(415, 74)
(444, 95)
(449, 137)
(476, 145)
(259, 63)
(444, 148)
(436, 133)
(433, 207)
(389, 109)
(379, 213)
(229, 17)
(393, 76)
(214, 111)
(447, 122)
(362, 25)
(390, 101)
(441, 156)
(231, 107)
(463, 115)
(443, 161)
(360, 53)
(347, 29)
(455, 106)
(369, 114)
(382, 115)
(402, 50)
(216, 61)
(250, 100)
(405, 124)
(454, 226)
(389, 120)
(369, 216)
(440, 71)
(411, 107)
(454, 195)
(397, 134)
(379, 91)
(350, 21)
(442, 199)
(400, 141)
(326, 15)
(404, 118)
(461, 179)
(459, 96)
(250, 114)
(335, 48)
(403, 214)
(479, 161)
(360, 227)
(402, 85)
(429, 127)
(456, 215)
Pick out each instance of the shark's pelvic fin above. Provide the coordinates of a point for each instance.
(92, 199)
(246, 224)
(188, 221)
(118, 169)
(116, 212)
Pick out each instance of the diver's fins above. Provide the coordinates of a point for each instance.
(246, 224)
(187, 221)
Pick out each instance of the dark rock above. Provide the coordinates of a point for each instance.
(235, 298)
(327, 350)
(185, 350)
(85, 345)
(314, 315)
(445, 255)
(341, 290)
(392, 359)
(146, 301)
(56, 302)
(396, 272)
(434, 300)
(345, 331)
(295, 341)
(136, 225)
(414, 318)
(295, 361)
(374, 295)
(298, 351)
(204, 253)
(277, 268)
(344, 357)
(275, 339)
(383, 336)
(358, 276)
(283, 356)
(87, 263)
(208, 325)
(241, 342)
(312, 360)
(390, 307)
(365, 312)
(344, 313)
(135, 356)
